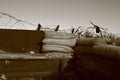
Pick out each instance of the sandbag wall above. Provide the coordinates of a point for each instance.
(96, 60)
(59, 42)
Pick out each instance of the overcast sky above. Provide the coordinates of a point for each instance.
(66, 13)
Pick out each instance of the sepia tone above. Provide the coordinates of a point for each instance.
(59, 40)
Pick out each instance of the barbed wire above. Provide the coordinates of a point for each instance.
(17, 21)
(22, 24)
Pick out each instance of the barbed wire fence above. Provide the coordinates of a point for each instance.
(11, 22)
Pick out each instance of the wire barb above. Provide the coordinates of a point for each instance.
(11, 18)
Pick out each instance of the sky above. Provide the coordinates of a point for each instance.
(66, 13)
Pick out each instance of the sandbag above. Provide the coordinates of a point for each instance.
(85, 41)
(66, 42)
(90, 41)
(100, 41)
(83, 49)
(107, 50)
(59, 35)
(56, 48)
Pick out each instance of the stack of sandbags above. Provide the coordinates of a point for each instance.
(58, 42)
(89, 42)
(94, 59)
(86, 44)
(111, 51)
